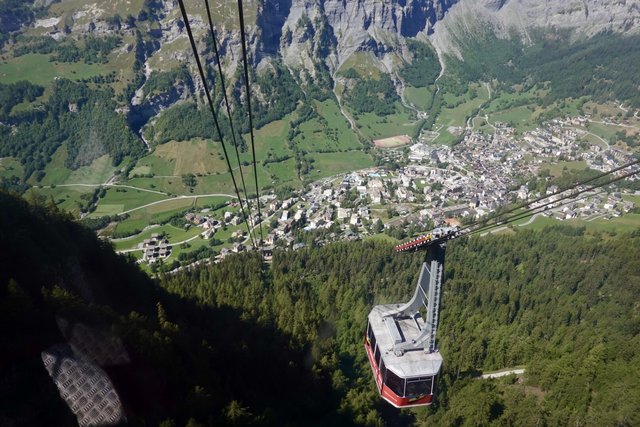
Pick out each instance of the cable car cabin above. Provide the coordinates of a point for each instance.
(406, 380)
(400, 343)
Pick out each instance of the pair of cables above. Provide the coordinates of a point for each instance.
(540, 204)
(185, 17)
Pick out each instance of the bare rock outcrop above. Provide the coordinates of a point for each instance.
(585, 18)
(302, 27)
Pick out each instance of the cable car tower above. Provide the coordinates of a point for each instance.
(401, 338)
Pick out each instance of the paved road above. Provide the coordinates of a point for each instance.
(178, 198)
(606, 143)
(173, 244)
(107, 185)
(499, 374)
(533, 218)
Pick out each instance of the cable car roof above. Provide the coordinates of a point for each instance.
(386, 329)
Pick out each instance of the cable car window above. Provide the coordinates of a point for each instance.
(418, 386)
(395, 383)
(372, 338)
(382, 367)
(377, 356)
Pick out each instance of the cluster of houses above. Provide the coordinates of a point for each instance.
(437, 183)
(155, 248)
(594, 206)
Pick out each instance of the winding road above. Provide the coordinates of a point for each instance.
(177, 198)
(107, 184)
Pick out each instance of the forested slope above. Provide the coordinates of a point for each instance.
(227, 345)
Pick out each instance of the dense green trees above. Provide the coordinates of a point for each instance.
(603, 67)
(188, 360)
(371, 95)
(86, 119)
(163, 81)
(183, 122)
(93, 49)
(424, 68)
(13, 94)
(232, 342)
(14, 14)
(551, 301)
(278, 95)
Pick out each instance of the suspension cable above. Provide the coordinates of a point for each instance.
(532, 211)
(226, 102)
(484, 222)
(248, 87)
(526, 214)
(542, 207)
(213, 113)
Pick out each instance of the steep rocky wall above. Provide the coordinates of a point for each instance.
(586, 17)
(373, 25)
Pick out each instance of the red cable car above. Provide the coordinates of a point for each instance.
(400, 342)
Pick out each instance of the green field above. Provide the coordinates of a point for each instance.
(37, 68)
(457, 116)
(364, 63)
(622, 224)
(123, 7)
(282, 172)
(98, 172)
(271, 138)
(329, 164)
(10, 167)
(518, 117)
(594, 140)
(608, 132)
(631, 198)
(178, 158)
(376, 127)
(556, 169)
(445, 137)
(421, 97)
(174, 235)
(126, 198)
(202, 202)
(329, 132)
(154, 214)
(153, 165)
(66, 198)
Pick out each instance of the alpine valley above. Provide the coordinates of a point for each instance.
(371, 122)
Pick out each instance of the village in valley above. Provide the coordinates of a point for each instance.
(429, 185)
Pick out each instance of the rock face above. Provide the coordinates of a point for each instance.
(298, 29)
(144, 108)
(584, 17)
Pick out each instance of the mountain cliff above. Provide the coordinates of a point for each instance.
(305, 32)
(360, 55)
(343, 28)
(584, 18)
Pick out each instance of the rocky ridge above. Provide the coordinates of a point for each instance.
(585, 18)
(349, 27)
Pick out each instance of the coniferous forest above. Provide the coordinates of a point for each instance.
(234, 344)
